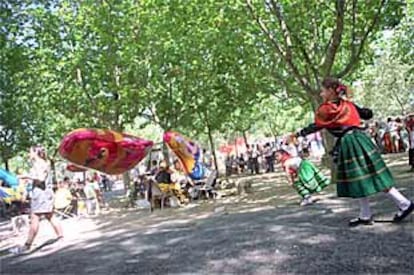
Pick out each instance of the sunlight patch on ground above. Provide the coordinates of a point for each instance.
(140, 248)
(268, 199)
(276, 228)
(317, 239)
(255, 209)
(267, 259)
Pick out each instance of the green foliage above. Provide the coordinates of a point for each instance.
(402, 41)
(16, 112)
(387, 87)
(315, 39)
(199, 67)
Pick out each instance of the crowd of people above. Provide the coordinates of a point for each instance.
(170, 179)
(361, 171)
(395, 135)
(392, 135)
(261, 157)
(72, 197)
(41, 197)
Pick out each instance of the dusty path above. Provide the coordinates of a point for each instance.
(263, 233)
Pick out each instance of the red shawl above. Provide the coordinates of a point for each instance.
(409, 124)
(285, 157)
(332, 115)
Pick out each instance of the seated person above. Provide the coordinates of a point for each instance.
(164, 174)
(178, 175)
(154, 168)
(185, 183)
(63, 197)
(163, 178)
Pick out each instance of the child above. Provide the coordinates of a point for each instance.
(361, 172)
(302, 175)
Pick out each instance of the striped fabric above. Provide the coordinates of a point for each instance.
(310, 179)
(361, 170)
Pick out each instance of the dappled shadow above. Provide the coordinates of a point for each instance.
(264, 232)
(287, 240)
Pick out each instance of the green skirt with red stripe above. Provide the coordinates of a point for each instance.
(361, 171)
(310, 179)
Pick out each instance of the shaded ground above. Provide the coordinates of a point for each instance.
(263, 233)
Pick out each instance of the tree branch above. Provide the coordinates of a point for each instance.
(283, 54)
(355, 54)
(335, 40)
(395, 94)
(288, 34)
(275, 7)
(79, 80)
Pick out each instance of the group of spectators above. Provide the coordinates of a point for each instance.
(392, 135)
(79, 198)
(395, 135)
(170, 179)
(72, 197)
(260, 157)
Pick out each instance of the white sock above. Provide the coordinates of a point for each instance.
(402, 202)
(364, 210)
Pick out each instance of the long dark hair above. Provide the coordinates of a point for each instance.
(39, 184)
(336, 85)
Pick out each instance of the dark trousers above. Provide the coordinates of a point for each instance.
(270, 164)
(411, 157)
(254, 165)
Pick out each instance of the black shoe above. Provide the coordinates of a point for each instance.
(402, 214)
(359, 221)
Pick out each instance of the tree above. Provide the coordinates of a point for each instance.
(311, 40)
(204, 67)
(403, 36)
(390, 82)
(315, 39)
(16, 114)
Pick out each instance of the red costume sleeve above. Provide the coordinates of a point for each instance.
(332, 115)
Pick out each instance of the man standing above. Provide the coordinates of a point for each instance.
(409, 125)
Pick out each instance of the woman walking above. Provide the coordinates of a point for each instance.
(41, 198)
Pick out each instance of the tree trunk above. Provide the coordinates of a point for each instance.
(6, 164)
(245, 137)
(126, 179)
(53, 169)
(212, 147)
(125, 176)
(328, 144)
(235, 147)
(165, 153)
(327, 139)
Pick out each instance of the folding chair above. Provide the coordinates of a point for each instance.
(206, 185)
(154, 193)
(65, 213)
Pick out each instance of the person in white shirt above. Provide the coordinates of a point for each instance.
(41, 198)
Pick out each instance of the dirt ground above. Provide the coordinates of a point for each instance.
(265, 232)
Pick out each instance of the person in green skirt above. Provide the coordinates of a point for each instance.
(361, 171)
(302, 175)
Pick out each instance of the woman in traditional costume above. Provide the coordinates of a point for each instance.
(361, 171)
(302, 175)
